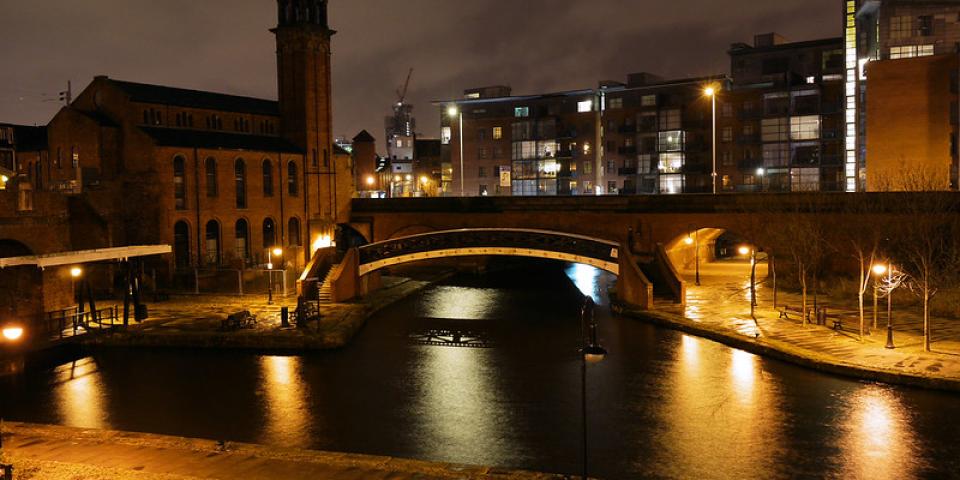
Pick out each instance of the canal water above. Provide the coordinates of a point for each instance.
(507, 393)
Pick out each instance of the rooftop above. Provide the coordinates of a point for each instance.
(181, 97)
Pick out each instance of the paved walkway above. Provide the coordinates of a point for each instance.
(49, 452)
(195, 321)
(722, 306)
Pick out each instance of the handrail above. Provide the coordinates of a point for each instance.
(478, 230)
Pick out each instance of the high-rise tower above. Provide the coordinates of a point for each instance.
(306, 101)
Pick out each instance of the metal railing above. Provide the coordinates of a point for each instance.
(491, 238)
(71, 322)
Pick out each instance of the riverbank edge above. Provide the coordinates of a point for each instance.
(400, 466)
(332, 337)
(790, 353)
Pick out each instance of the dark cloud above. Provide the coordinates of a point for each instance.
(532, 45)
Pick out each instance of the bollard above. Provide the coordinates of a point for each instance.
(285, 317)
(7, 472)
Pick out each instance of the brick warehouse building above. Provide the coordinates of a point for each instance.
(220, 177)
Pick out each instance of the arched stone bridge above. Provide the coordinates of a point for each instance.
(566, 247)
(591, 230)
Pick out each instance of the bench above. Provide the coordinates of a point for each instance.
(238, 320)
(786, 310)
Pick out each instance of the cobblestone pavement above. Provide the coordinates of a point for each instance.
(722, 301)
(40, 452)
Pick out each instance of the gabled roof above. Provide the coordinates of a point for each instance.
(145, 93)
(174, 137)
(364, 137)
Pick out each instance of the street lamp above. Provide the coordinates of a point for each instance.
(13, 332)
(276, 251)
(879, 271)
(452, 112)
(75, 273)
(712, 93)
(890, 284)
(592, 353)
(745, 250)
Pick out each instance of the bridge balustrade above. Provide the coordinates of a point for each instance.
(490, 238)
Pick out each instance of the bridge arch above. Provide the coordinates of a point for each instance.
(531, 243)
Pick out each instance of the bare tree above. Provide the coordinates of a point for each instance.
(862, 231)
(793, 229)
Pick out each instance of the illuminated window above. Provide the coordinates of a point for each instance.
(671, 162)
(445, 135)
(774, 129)
(585, 106)
(648, 101)
(615, 103)
(497, 133)
(805, 128)
(911, 51)
(521, 112)
(671, 184)
(670, 141)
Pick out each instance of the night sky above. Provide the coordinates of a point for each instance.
(532, 45)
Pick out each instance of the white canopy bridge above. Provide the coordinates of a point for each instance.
(75, 320)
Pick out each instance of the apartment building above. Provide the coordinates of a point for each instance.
(781, 121)
(901, 74)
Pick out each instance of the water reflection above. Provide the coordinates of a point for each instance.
(743, 368)
(460, 303)
(460, 407)
(719, 417)
(287, 414)
(879, 441)
(79, 394)
(587, 280)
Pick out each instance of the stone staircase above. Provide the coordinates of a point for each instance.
(325, 288)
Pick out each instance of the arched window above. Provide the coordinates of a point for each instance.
(269, 233)
(293, 180)
(213, 243)
(293, 232)
(267, 178)
(179, 182)
(242, 240)
(240, 179)
(181, 244)
(210, 165)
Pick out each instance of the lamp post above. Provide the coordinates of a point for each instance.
(712, 93)
(890, 287)
(593, 353)
(694, 239)
(453, 111)
(276, 251)
(878, 271)
(75, 273)
(752, 252)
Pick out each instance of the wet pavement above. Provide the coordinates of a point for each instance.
(723, 300)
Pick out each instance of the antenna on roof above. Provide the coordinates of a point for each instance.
(66, 96)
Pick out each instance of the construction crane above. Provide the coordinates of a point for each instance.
(402, 94)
